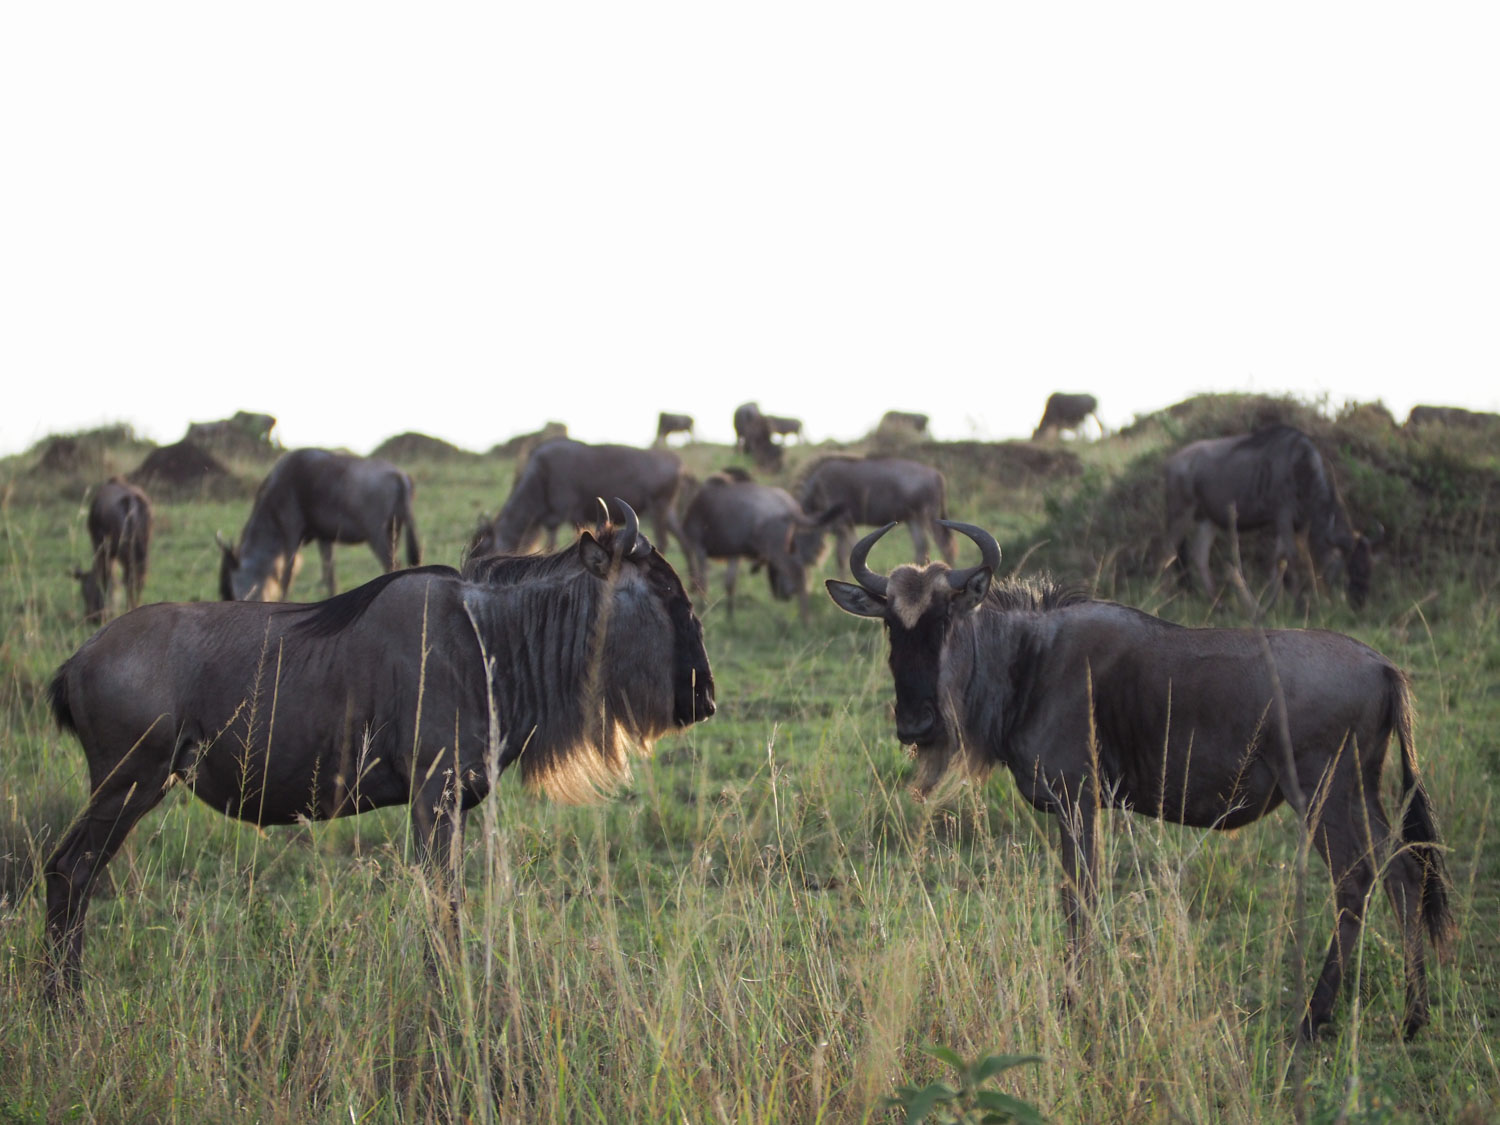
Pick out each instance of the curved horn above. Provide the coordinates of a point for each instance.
(634, 545)
(989, 551)
(875, 583)
(603, 517)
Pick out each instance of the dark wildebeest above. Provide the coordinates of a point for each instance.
(1065, 412)
(312, 494)
(562, 483)
(1090, 703)
(733, 517)
(1273, 478)
(752, 435)
(119, 525)
(781, 426)
(667, 424)
(876, 490)
(417, 688)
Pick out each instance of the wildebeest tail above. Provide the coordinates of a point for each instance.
(946, 544)
(1418, 827)
(57, 695)
(413, 545)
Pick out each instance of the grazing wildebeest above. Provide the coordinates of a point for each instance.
(562, 483)
(1274, 477)
(119, 525)
(667, 424)
(312, 494)
(733, 517)
(1093, 704)
(782, 426)
(1065, 412)
(752, 435)
(417, 688)
(876, 490)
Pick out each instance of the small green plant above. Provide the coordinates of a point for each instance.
(969, 1103)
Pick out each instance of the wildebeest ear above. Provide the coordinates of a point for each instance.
(595, 557)
(855, 599)
(967, 600)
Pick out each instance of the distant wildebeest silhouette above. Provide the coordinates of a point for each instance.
(668, 424)
(562, 482)
(119, 524)
(876, 490)
(733, 517)
(1065, 412)
(1273, 478)
(419, 687)
(752, 436)
(782, 426)
(312, 494)
(1090, 704)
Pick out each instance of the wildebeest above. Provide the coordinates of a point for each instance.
(733, 517)
(312, 494)
(876, 490)
(752, 435)
(419, 687)
(1065, 412)
(562, 483)
(1093, 704)
(119, 524)
(667, 424)
(1276, 478)
(782, 426)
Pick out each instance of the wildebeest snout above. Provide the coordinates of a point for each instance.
(916, 723)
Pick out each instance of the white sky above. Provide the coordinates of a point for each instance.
(469, 219)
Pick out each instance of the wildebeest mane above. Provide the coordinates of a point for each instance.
(330, 617)
(1040, 595)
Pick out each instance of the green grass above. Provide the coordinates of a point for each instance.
(763, 926)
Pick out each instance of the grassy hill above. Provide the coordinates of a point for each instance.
(763, 926)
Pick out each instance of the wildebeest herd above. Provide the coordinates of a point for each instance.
(569, 661)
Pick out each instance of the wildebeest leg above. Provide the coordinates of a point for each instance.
(437, 819)
(1286, 569)
(1203, 541)
(1403, 885)
(1172, 555)
(134, 577)
(918, 530)
(1349, 855)
(325, 548)
(843, 543)
(731, 576)
(1078, 822)
(126, 795)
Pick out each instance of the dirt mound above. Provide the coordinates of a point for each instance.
(184, 469)
(1011, 462)
(1437, 498)
(523, 444)
(412, 446)
(82, 454)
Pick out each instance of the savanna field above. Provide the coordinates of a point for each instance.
(764, 925)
